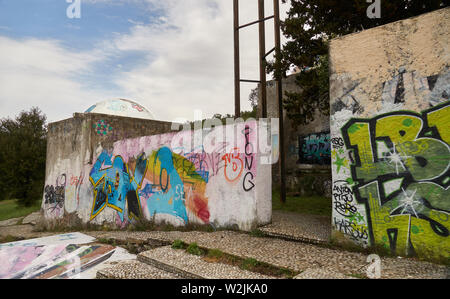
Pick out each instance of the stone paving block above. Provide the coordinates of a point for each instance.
(294, 226)
(133, 269)
(321, 273)
(179, 261)
(10, 222)
(297, 256)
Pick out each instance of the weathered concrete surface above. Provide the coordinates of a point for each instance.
(9, 222)
(33, 218)
(72, 146)
(208, 177)
(71, 255)
(390, 115)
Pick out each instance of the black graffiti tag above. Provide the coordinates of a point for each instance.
(343, 198)
(350, 228)
(337, 142)
(247, 182)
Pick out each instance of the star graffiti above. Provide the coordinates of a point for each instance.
(409, 202)
(395, 158)
(339, 162)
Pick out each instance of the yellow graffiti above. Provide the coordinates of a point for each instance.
(413, 217)
(441, 120)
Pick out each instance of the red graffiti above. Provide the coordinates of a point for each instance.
(233, 166)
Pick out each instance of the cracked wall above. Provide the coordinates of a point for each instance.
(390, 124)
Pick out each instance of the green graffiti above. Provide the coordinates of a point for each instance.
(340, 162)
(400, 171)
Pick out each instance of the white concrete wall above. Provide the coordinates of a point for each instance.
(177, 178)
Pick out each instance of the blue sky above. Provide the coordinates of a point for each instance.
(171, 56)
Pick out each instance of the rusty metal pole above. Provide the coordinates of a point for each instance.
(276, 9)
(262, 58)
(237, 87)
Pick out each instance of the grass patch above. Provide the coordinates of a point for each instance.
(249, 264)
(257, 233)
(215, 253)
(11, 209)
(194, 249)
(312, 205)
(178, 244)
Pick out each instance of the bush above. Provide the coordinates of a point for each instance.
(23, 148)
(194, 249)
(178, 244)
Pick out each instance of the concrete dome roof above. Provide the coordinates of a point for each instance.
(121, 107)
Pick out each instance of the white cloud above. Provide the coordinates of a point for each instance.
(187, 64)
(42, 73)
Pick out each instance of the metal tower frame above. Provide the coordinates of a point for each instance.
(262, 74)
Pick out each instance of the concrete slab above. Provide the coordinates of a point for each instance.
(191, 266)
(9, 222)
(32, 219)
(71, 255)
(299, 227)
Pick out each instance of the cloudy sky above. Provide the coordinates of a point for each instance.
(172, 56)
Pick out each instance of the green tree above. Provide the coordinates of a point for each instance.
(308, 27)
(23, 143)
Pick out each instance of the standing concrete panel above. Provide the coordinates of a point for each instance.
(72, 146)
(390, 120)
(120, 175)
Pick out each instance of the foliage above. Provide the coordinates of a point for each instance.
(194, 249)
(10, 209)
(245, 115)
(301, 107)
(178, 244)
(23, 143)
(309, 26)
(253, 98)
(311, 205)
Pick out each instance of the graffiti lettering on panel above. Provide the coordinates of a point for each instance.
(241, 163)
(166, 182)
(172, 183)
(315, 149)
(400, 169)
(54, 196)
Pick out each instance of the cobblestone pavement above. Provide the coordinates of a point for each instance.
(313, 261)
(179, 259)
(134, 270)
(296, 226)
(320, 273)
(296, 256)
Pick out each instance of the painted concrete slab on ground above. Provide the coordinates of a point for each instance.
(72, 255)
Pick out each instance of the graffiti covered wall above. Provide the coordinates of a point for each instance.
(314, 148)
(177, 178)
(390, 142)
